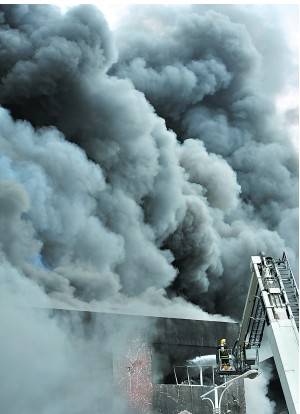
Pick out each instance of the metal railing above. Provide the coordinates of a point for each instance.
(290, 286)
(191, 375)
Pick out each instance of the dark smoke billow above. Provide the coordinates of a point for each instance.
(106, 198)
(139, 170)
(208, 76)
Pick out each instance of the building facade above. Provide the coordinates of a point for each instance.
(149, 361)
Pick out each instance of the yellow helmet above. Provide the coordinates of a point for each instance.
(222, 341)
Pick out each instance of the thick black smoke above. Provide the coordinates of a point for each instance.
(145, 165)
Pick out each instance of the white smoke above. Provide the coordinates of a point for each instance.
(256, 393)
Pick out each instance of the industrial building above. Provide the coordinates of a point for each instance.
(152, 363)
(152, 368)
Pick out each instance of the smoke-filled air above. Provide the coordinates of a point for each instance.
(140, 168)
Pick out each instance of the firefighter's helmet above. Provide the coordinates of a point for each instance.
(223, 341)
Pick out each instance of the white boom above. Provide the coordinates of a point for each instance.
(272, 311)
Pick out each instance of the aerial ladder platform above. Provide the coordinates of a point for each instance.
(271, 312)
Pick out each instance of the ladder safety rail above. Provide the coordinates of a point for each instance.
(289, 285)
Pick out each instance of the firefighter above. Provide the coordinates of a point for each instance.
(224, 354)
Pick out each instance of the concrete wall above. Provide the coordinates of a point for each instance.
(147, 376)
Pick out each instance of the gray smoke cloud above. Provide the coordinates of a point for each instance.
(102, 225)
(207, 75)
(137, 170)
(110, 198)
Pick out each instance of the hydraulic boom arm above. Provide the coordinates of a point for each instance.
(272, 309)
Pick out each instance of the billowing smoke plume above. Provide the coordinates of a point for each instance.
(101, 197)
(207, 75)
(80, 210)
(140, 169)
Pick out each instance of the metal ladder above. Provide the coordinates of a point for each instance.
(257, 323)
(290, 286)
